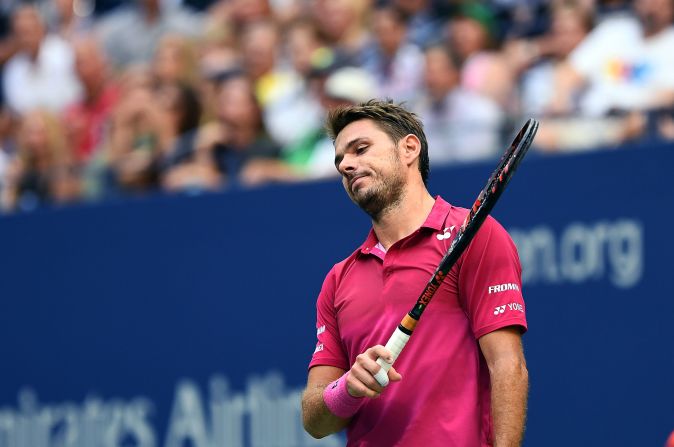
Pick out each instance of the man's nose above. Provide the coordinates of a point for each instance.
(347, 165)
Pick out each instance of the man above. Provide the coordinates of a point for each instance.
(151, 19)
(86, 120)
(625, 63)
(462, 378)
(41, 75)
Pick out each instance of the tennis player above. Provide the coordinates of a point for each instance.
(462, 380)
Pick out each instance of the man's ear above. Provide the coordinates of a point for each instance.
(410, 148)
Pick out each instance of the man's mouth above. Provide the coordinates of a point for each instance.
(354, 180)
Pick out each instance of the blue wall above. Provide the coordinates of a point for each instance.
(175, 322)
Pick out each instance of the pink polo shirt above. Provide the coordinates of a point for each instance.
(443, 398)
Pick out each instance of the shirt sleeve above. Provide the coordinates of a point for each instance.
(329, 350)
(490, 281)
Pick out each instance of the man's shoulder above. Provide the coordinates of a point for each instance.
(490, 234)
(341, 268)
(345, 264)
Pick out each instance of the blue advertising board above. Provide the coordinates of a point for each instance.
(190, 321)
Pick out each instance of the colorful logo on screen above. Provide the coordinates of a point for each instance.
(622, 71)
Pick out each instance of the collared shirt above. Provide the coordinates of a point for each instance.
(443, 398)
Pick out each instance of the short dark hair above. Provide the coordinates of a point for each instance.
(396, 121)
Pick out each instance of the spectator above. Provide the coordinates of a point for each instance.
(625, 63)
(87, 120)
(294, 110)
(184, 165)
(524, 20)
(461, 125)
(139, 132)
(120, 29)
(238, 137)
(312, 157)
(42, 172)
(396, 64)
(259, 50)
(181, 104)
(343, 25)
(42, 73)
(614, 83)
(426, 19)
(175, 61)
(537, 59)
(472, 37)
(217, 56)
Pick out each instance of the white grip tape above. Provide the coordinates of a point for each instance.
(395, 344)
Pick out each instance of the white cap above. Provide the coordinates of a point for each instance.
(351, 84)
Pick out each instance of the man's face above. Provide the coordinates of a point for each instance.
(440, 75)
(89, 62)
(28, 29)
(372, 173)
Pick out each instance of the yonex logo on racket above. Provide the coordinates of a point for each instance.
(428, 294)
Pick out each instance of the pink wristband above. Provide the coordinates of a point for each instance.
(339, 401)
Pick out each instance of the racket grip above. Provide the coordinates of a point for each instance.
(395, 344)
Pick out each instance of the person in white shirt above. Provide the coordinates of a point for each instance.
(625, 63)
(42, 73)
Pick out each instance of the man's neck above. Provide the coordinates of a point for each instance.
(402, 220)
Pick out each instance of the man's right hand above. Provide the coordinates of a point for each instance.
(360, 381)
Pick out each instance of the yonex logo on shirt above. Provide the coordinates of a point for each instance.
(498, 310)
(320, 330)
(503, 287)
(446, 234)
(319, 348)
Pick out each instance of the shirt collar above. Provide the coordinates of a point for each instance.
(434, 221)
(438, 214)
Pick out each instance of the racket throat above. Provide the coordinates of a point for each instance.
(408, 324)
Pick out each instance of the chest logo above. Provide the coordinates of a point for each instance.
(446, 233)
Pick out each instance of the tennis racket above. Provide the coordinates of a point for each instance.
(478, 213)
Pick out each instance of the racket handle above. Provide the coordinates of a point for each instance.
(395, 344)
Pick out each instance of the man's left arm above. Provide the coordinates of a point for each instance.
(503, 352)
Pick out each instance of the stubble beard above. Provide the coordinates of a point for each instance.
(383, 197)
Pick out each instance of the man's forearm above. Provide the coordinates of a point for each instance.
(509, 390)
(318, 421)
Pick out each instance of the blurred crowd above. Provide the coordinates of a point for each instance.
(116, 98)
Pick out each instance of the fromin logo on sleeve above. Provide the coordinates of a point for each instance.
(503, 287)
